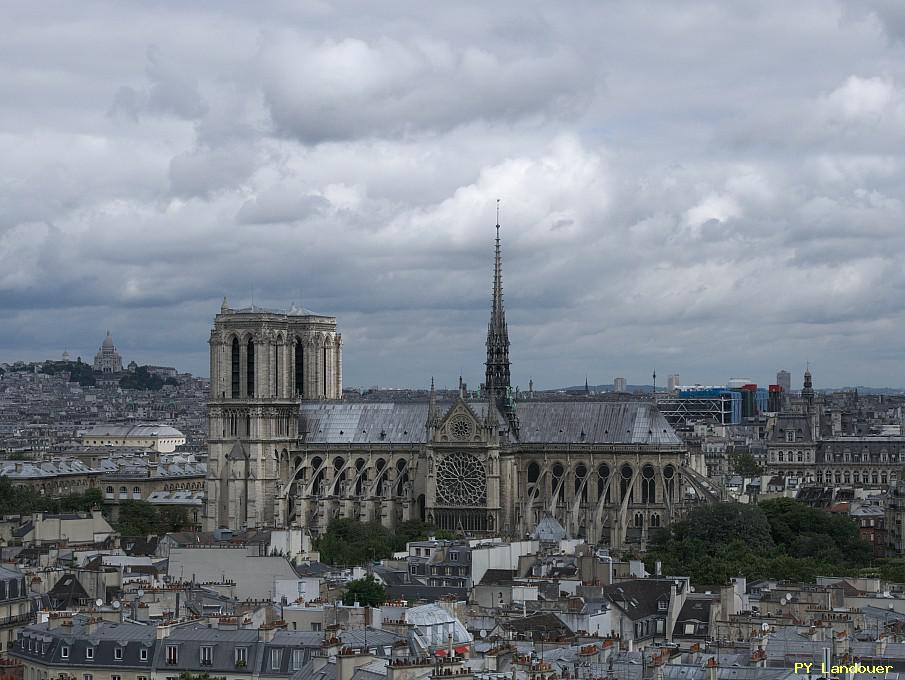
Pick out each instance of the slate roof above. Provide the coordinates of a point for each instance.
(66, 646)
(540, 422)
(639, 598)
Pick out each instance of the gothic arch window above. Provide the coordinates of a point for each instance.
(669, 477)
(625, 484)
(402, 476)
(325, 371)
(378, 467)
(234, 374)
(360, 478)
(559, 488)
(250, 366)
(639, 519)
(533, 473)
(317, 469)
(603, 476)
(580, 473)
(276, 367)
(648, 485)
(299, 366)
(339, 475)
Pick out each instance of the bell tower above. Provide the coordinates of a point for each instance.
(263, 363)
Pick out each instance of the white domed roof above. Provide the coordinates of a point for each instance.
(108, 341)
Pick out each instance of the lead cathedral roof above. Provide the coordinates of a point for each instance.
(541, 422)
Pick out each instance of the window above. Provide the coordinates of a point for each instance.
(790, 436)
(207, 655)
(64, 652)
(87, 676)
(453, 556)
(662, 605)
(118, 653)
(143, 654)
(418, 552)
(316, 626)
(116, 677)
(89, 652)
(298, 659)
(276, 656)
(172, 654)
(241, 656)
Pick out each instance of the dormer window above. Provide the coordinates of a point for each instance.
(89, 652)
(662, 605)
(790, 436)
(64, 652)
(118, 653)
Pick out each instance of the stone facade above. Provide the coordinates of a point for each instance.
(285, 452)
(108, 360)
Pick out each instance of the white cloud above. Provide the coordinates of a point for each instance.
(684, 188)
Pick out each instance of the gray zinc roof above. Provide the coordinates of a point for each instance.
(539, 422)
(593, 422)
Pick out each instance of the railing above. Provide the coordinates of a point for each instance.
(16, 618)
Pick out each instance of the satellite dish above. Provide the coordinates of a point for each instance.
(765, 626)
(99, 602)
(117, 604)
(140, 593)
(483, 633)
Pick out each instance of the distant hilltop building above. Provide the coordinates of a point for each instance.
(108, 360)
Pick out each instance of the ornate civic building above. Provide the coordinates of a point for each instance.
(286, 450)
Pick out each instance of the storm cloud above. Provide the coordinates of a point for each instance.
(714, 189)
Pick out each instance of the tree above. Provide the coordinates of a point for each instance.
(745, 465)
(185, 675)
(781, 538)
(141, 518)
(367, 591)
(350, 542)
(141, 379)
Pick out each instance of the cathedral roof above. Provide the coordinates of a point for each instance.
(540, 422)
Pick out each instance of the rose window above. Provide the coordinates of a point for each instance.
(461, 480)
(461, 428)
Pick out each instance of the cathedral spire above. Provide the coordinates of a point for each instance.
(497, 375)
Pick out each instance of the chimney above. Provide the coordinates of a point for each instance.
(348, 660)
(711, 668)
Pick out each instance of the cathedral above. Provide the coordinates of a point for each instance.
(286, 450)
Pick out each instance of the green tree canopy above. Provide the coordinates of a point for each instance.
(350, 542)
(744, 464)
(367, 591)
(141, 518)
(781, 538)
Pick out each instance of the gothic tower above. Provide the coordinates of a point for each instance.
(263, 363)
(496, 380)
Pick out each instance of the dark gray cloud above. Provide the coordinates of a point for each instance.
(714, 189)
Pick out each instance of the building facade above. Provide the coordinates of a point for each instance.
(108, 360)
(284, 450)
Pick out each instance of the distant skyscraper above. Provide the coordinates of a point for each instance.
(784, 380)
(619, 385)
(672, 382)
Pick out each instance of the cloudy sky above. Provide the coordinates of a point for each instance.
(709, 188)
